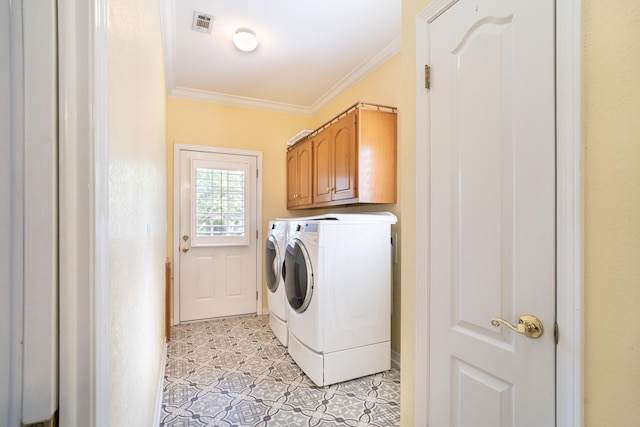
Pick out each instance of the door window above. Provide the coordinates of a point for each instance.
(218, 198)
(298, 280)
(272, 264)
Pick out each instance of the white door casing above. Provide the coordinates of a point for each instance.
(215, 276)
(40, 339)
(492, 213)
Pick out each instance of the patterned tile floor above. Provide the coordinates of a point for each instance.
(234, 372)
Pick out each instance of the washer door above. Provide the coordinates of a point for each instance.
(272, 263)
(298, 280)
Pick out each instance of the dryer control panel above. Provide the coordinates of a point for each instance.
(308, 230)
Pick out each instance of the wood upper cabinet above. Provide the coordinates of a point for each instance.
(299, 181)
(354, 160)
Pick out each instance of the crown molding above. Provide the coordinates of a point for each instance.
(167, 11)
(238, 101)
(359, 73)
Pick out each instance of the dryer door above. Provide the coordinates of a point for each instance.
(298, 280)
(272, 263)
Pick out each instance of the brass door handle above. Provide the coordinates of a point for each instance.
(528, 325)
(185, 249)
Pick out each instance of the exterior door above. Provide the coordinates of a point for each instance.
(492, 213)
(218, 235)
(298, 276)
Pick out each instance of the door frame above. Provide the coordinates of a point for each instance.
(177, 148)
(569, 213)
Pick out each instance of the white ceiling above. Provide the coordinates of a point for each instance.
(310, 51)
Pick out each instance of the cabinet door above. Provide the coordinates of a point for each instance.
(322, 162)
(305, 168)
(292, 178)
(344, 158)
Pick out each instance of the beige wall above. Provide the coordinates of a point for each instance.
(208, 124)
(137, 219)
(612, 212)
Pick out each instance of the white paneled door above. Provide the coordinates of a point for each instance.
(492, 213)
(218, 235)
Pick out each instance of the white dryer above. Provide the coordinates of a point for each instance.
(338, 286)
(274, 263)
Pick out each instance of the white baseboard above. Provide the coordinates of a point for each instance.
(395, 357)
(156, 421)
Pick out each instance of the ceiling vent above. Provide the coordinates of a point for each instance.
(202, 22)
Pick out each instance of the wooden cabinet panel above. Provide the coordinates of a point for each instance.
(344, 158)
(292, 177)
(305, 169)
(323, 168)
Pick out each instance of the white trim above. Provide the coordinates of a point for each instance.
(100, 226)
(359, 73)
(40, 316)
(238, 101)
(84, 372)
(176, 218)
(423, 233)
(569, 365)
(167, 23)
(163, 365)
(12, 228)
(569, 293)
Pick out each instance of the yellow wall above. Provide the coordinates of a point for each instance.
(612, 212)
(208, 124)
(137, 218)
(410, 8)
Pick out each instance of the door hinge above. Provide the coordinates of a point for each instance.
(427, 77)
(256, 295)
(256, 234)
(257, 173)
(556, 333)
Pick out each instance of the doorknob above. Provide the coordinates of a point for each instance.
(185, 249)
(528, 325)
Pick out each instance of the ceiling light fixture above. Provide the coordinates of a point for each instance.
(245, 40)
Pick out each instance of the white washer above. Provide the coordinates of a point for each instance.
(338, 286)
(274, 261)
